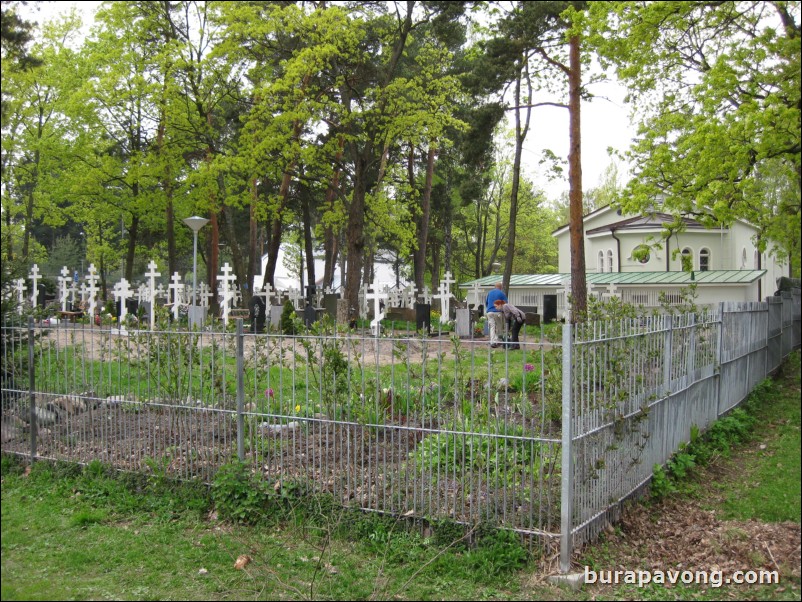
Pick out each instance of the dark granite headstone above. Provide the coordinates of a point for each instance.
(423, 317)
(131, 306)
(549, 308)
(257, 314)
(41, 295)
(310, 315)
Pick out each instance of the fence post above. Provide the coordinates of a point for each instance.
(691, 367)
(566, 494)
(720, 356)
(32, 388)
(668, 344)
(240, 391)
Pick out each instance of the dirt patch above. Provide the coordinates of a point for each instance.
(100, 344)
(680, 534)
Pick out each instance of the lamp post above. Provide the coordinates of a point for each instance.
(195, 223)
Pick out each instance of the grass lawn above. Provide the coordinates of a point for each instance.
(73, 533)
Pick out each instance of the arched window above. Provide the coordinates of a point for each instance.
(743, 259)
(704, 260)
(757, 259)
(609, 260)
(601, 262)
(687, 258)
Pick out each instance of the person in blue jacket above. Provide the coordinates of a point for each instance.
(493, 316)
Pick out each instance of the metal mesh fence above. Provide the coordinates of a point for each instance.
(430, 427)
(639, 387)
(546, 441)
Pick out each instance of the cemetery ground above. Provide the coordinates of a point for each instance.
(73, 533)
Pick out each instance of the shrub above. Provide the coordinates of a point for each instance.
(238, 494)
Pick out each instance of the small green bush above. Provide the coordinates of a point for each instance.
(288, 318)
(239, 495)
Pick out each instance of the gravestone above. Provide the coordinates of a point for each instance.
(275, 317)
(257, 314)
(196, 315)
(549, 308)
(342, 311)
(532, 317)
(41, 295)
(330, 305)
(423, 317)
(464, 324)
(401, 314)
(310, 315)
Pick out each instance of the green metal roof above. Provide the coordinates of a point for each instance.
(627, 278)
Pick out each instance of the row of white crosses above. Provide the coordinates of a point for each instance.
(229, 295)
(377, 296)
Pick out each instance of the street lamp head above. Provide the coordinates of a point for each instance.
(196, 223)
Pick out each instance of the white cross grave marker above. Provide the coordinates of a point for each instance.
(205, 294)
(227, 280)
(92, 290)
(445, 296)
(266, 291)
(122, 292)
(35, 276)
(175, 286)
(295, 297)
(612, 292)
(21, 288)
(63, 286)
(426, 295)
(84, 294)
(152, 274)
(410, 296)
(376, 296)
(474, 297)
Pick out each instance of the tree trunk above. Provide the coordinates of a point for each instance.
(520, 136)
(133, 232)
(579, 295)
(254, 262)
(330, 239)
(423, 223)
(308, 243)
(355, 238)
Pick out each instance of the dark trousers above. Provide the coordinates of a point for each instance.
(514, 327)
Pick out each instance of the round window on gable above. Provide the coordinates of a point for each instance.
(641, 253)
